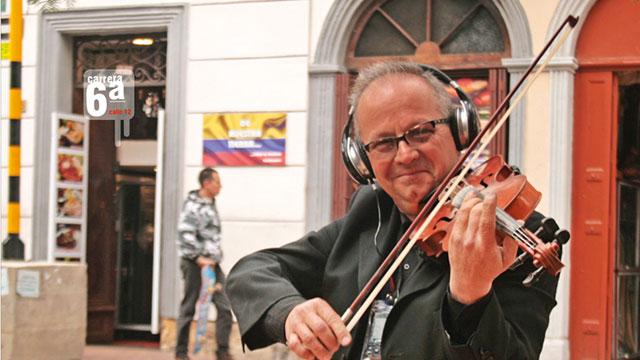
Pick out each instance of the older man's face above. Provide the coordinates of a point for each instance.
(389, 106)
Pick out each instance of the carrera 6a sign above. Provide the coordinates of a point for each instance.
(108, 94)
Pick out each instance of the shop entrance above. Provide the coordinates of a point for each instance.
(606, 216)
(135, 229)
(605, 211)
(124, 170)
(626, 334)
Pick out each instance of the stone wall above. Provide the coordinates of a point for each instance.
(44, 310)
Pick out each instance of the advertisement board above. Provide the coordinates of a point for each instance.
(68, 186)
(244, 139)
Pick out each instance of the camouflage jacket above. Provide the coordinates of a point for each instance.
(199, 228)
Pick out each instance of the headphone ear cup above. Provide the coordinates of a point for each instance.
(464, 124)
(463, 120)
(473, 121)
(354, 157)
(454, 126)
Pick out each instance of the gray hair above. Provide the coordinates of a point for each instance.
(378, 70)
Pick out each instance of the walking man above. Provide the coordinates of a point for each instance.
(199, 246)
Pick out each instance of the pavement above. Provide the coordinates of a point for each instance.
(139, 350)
(118, 352)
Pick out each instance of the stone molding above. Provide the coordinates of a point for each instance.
(54, 76)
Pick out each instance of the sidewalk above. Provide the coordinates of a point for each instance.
(114, 352)
(130, 352)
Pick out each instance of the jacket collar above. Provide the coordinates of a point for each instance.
(194, 196)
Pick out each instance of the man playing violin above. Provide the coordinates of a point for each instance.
(464, 304)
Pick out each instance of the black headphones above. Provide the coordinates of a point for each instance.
(463, 122)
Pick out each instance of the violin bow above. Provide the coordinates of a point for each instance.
(351, 316)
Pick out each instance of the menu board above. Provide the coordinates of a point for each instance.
(68, 186)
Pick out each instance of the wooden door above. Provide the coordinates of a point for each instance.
(592, 212)
(101, 234)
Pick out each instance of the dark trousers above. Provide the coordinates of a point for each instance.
(192, 281)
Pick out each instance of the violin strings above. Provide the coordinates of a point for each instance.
(518, 234)
(511, 224)
(523, 239)
(513, 228)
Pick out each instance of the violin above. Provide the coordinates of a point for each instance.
(430, 225)
(516, 201)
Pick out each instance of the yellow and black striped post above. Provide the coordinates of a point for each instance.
(12, 247)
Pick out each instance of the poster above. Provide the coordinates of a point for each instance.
(71, 134)
(68, 238)
(70, 168)
(69, 203)
(244, 139)
(68, 195)
(28, 283)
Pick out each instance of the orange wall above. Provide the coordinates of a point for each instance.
(611, 34)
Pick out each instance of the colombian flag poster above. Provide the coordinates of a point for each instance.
(244, 139)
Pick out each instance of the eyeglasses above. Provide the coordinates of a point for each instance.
(417, 135)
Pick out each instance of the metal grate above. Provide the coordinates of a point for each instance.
(148, 63)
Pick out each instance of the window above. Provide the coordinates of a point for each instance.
(449, 34)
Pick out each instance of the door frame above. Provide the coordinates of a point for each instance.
(55, 64)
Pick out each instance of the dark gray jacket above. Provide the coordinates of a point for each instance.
(336, 261)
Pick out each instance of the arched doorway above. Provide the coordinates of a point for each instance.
(326, 72)
(605, 253)
(466, 39)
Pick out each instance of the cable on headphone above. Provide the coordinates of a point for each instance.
(375, 237)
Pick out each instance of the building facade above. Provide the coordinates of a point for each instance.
(574, 135)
